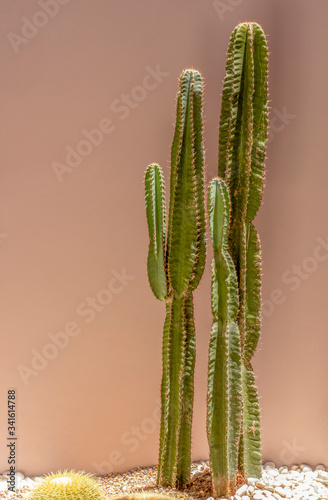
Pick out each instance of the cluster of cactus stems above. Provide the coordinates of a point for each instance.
(176, 260)
(233, 417)
(224, 404)
(175, 264)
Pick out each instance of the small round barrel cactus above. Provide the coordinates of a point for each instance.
(67, 485)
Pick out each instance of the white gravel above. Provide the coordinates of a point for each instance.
(299, 482)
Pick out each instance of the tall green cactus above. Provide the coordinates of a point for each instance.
(175, 266)
(224, 374)
(243, 133)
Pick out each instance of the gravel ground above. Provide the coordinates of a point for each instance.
(300, 482)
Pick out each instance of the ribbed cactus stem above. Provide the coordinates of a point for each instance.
(224, 375)
(187, 396)
(176, 272)
(156, 214)
(243, 133)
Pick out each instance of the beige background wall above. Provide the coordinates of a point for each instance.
(94, 405)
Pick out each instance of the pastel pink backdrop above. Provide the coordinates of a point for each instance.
(94, 406)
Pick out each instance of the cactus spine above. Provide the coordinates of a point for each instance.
(175, 266)
(243, 133)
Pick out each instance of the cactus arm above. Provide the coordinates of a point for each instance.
(234, 377)
(224, 372)
(226, 109)
(164, 386)
(182, 99)
(176, 149)
(183, 223)
(239, 168)
(187, 396)
(217, 410)
(253, 297)
(219, 208)
(260, 125)
(155, 210)
(234, 109)
(217, 399)
(187, 393)
(236, 146)
(173, 394)
(251, 423)
(235, 404)
(199, 174)
(217, 392)
(251, 438)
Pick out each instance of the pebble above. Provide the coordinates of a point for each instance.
(322, 474)
(273, 472)
(260, 485)
(18, 475)
(242, 490)
(301, 482)
(280, 491)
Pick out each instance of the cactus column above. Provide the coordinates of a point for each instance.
(243, 133)
(175, 266)
(224, 374)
